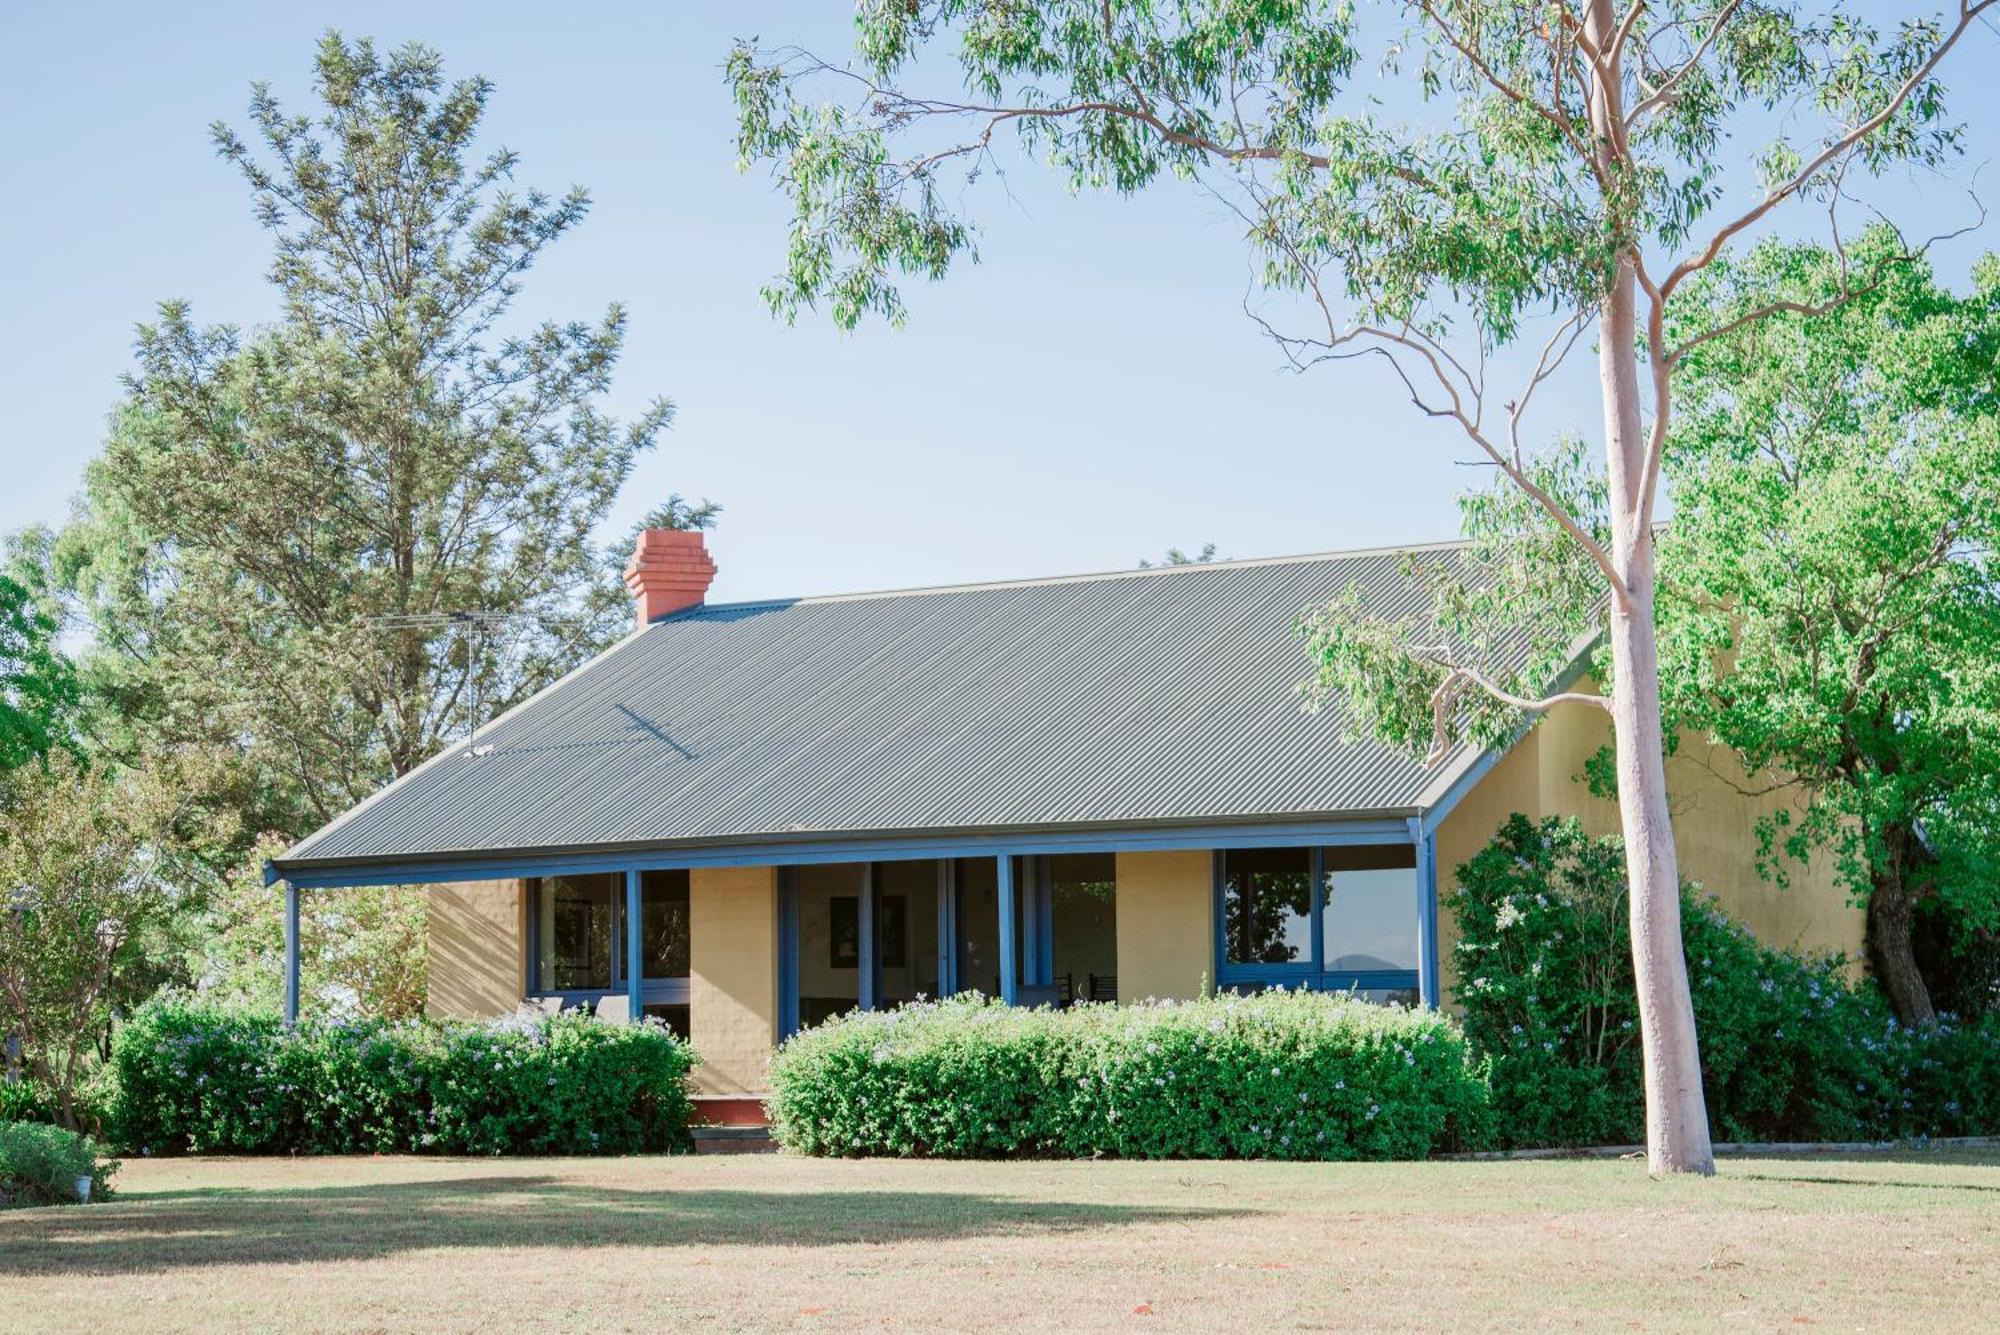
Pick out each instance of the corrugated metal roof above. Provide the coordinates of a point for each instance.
(1142, 696)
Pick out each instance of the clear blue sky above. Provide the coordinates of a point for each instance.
(1088, 395)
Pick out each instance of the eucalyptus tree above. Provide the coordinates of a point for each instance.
(1575, 181)
(1828, 592)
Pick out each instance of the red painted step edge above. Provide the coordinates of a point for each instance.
(728, 1110)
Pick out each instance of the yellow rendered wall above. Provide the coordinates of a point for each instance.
(1166, 945)
(1714, 815)
(1511, 785)
(477, 954)
(733, 976)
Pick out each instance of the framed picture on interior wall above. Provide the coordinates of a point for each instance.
(895, 928)
(844, 932)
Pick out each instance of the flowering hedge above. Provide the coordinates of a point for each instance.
(1276, 1076)
(204, 1081)
(1791, 1049)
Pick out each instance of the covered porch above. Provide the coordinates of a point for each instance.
(737, 947)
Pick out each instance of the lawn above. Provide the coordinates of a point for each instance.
(776, 1242)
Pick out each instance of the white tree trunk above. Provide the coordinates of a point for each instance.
(1677, 1137)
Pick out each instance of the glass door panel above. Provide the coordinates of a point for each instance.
(827, 910)
(906, 931)
(1084, 916)
(978, 944)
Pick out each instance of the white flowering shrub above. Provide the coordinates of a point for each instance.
(1790, 1048)
(202, 1080)
(1281, 1075)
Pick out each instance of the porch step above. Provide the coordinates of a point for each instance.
(733, 1140)
(728, 1110)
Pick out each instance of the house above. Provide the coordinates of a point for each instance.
(745, 818)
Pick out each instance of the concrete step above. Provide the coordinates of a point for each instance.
(733, 1140)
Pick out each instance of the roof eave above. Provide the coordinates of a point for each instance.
(770, 843)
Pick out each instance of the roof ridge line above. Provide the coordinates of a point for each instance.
(1040, 581)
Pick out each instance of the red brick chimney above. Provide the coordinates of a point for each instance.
(670, 570)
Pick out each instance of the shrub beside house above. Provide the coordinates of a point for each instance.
(192, 1079)
(1281, 1075)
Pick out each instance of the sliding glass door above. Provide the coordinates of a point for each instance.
(873, 936)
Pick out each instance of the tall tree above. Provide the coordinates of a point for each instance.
(93, 872)
(1579, 172)
(38, 689)
(1831, 604)
(341, 540)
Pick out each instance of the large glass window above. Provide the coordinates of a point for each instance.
(578, 920)
(1369, 922)
(906, 931)
(578, 936)
(826, 907)
(883, 934)
(1083, 915)
(1342, 917)
(1267, 906)
(978, 916)
(663, 923)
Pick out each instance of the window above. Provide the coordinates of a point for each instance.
(1341, 918)
(1267, 906)
(577, 940)
(578, 920)
(663, 923)
(907, 962)
(1369, 923)
(1083, 925)
(826, 908)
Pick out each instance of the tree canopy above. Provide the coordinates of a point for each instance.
(353, 534)
(1546, 169)
(1833, 606)
(329, 545)
(38, 689)
(1829, 605)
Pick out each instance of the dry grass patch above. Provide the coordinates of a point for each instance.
(777, 1242)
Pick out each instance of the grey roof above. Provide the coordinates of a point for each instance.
(1089, 701)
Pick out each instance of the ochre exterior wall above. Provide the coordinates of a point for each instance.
(477, 952)
(1165, 907)
(1714, 832)
(1514, 784)
(733, 976)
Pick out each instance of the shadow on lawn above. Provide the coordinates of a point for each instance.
(1798, 1169)
(175, 1230)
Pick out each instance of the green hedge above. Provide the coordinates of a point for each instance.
(28, 1100)
(191, 1079)
(40, 1165)
(1276, 1076)
(1790, 1048)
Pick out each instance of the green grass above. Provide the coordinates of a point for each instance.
(766, 1242)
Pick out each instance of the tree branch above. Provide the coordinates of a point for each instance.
(1968, 13)
(1458, 676)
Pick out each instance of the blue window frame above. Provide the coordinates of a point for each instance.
(1348, 917)
(579, 942)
